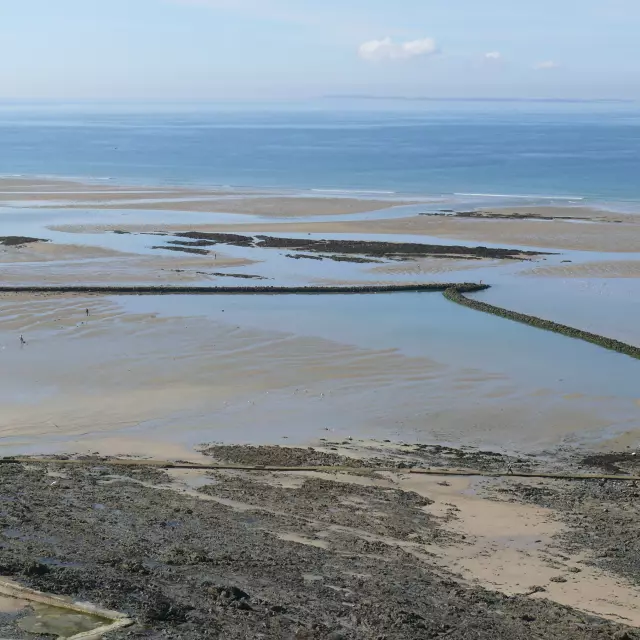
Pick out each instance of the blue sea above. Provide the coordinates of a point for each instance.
(556, 150)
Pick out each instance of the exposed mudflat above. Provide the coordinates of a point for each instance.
(18, 241)
(370, 248)
(235, 554)
(556, 234)
(545, 214)
(489, 215)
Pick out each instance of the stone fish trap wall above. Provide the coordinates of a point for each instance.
(453, 291)
(455, 295)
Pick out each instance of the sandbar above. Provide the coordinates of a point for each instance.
(76, 195)
(601, 269)
(547, 213)
(274, 206)
(60, 264)
(429, 266)
(557, 234)
(66, 189)
(49, 252)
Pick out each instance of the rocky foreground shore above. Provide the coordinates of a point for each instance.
(354, 553)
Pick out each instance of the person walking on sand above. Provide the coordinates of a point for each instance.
(22, 340)
(87, 310)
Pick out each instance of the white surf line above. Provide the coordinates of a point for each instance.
(354, 191)
(508, 195)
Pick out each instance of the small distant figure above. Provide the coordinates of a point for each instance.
(87, 311)
(22, 340)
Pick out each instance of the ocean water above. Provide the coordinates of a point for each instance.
(573, 151)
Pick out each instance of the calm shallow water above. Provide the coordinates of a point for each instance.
(420, 324)
(259, 368)
(524, 378)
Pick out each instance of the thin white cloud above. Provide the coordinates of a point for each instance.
(493, 55)
(387, 49)
(547, 64)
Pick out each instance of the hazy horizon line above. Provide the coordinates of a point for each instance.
(338, 97)
(472, 99)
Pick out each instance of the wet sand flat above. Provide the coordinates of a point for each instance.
(52, 252)
(274, 206)
(74, 195)
(548, 213)
(187, 378)
(99, 196)
(68, 189)
(54, 264)
(550, 227)
(426, 267)
(601, 269)
(19, 184)
(608, 237)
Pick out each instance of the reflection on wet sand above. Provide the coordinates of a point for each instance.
(602, 269)
(429, 266)
(218, 375)
(50, 264)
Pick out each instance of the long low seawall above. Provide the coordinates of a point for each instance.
(451, 290)
(455, 295)
(465, 287)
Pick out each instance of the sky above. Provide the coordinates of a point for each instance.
(186, 50)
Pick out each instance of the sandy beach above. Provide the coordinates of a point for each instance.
(52, 194)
